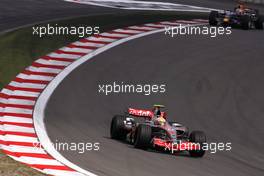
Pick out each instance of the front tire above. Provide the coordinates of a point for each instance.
(213, 18)
(142, 136)
(117, 130)
(197, 137)
(259, 23)
(245, 22)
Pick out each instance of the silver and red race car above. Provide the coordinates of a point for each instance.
(149, 129)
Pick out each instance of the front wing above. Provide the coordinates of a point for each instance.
(172, 146)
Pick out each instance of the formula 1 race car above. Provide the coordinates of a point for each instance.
(140, 128)
(245, 19)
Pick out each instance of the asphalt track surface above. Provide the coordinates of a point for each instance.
(223, 4)
(26, 12)
(214, 85)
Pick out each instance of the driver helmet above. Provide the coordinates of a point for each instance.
(156, 110)
(161, 120)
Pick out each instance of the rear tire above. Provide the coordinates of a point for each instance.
(259, 23)
(245, 22)
(117, 130)
(142, 136)
(213, 18)
(197, 137)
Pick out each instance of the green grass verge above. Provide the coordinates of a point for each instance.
(9, 167)
(19, 48)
